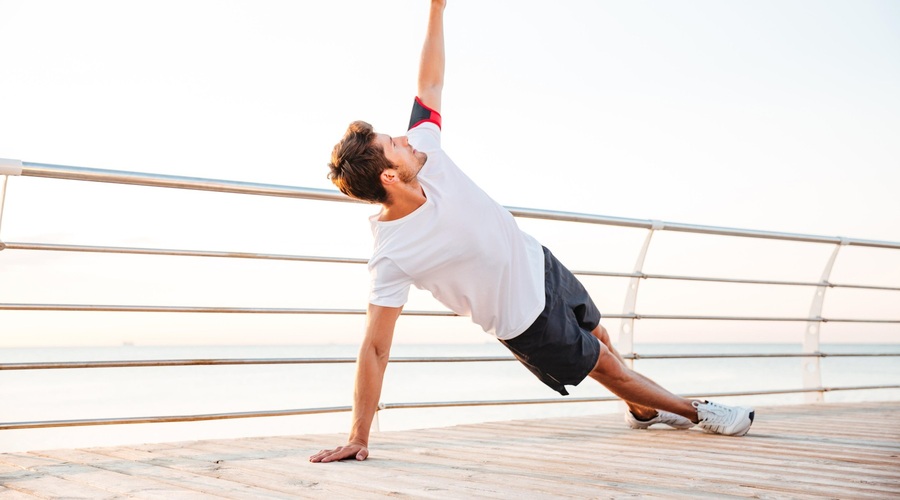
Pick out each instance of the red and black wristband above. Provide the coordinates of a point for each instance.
(422, 113)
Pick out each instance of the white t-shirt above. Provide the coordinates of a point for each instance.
(462, 246)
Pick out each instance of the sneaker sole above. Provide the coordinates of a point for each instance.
(641, 425)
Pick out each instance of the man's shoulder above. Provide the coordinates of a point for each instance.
(425, 137)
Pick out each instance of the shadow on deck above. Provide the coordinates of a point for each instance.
(805, 451)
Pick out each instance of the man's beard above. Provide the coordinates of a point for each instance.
(407, 176)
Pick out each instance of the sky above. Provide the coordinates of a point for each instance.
(773, 115)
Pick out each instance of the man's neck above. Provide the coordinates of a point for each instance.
(403, 202)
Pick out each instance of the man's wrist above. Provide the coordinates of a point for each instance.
(358, 442)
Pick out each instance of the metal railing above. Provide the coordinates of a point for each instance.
(810, 356)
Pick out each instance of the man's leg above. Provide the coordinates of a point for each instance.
(646, 396)
(642, 395)
(639, 411)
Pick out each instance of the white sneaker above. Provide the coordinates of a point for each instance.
(721, 419)
(662, 417)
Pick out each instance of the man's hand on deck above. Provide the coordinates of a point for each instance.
(351, 450)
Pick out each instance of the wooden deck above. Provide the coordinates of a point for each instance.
(810, 451)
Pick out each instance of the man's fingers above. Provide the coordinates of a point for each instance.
(325, 455)
(340, 453)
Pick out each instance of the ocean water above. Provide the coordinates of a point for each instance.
(39, 395)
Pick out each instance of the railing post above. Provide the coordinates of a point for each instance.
(626, 328)
(7, 168)
(2, 202)
(812, 373)
(376, 422)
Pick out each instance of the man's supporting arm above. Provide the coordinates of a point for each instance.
(431, 67)
(370, 367)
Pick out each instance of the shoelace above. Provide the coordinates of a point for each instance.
(715, 414)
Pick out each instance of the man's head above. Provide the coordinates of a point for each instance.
(363, 162)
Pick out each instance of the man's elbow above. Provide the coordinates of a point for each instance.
(381, 353)
(375, 352)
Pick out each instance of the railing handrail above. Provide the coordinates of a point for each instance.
(44, 424)
(152, 363)
(296, 310)
(31, 169)
(172, 252)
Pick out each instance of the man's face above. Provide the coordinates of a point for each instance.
(398, 151)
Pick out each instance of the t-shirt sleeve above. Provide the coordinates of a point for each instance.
(389, 285)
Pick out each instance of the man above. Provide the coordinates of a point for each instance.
(438, 231)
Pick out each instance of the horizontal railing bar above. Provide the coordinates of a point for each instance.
(181, 253)
(607, 274)
(698, 278)
(153, 363)
(288, 310)
(601, 399)
(496, 402)
(171, 181)
(532, 213)
(394, 406)
(732, 280)
(169, 418)
(769, 282)
(196, 309)
(150, 363)
(638, 356)
(355, 260)
(759, 318)
(30, 169)
(864, 287)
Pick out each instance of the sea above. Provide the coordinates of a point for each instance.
(62, 394)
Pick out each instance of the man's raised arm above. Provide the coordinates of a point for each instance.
(431, 67)
(370, 366)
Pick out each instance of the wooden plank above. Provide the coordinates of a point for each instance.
(9, 494)
(40, 477)
(187, 459)
(151, 467)
(104, 473)
(44, 485)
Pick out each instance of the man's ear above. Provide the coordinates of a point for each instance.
(389, 176)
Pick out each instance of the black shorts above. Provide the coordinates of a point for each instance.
(559, 347)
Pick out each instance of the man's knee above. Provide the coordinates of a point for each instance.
(602, 359)
(602, 335)
(608, 369)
